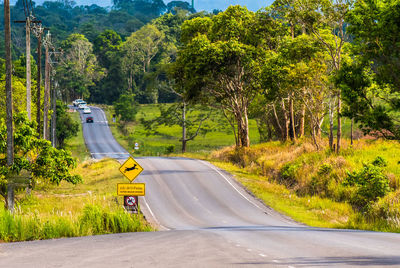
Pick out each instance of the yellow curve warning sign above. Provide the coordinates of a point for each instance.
(131, 189)
(131, 169)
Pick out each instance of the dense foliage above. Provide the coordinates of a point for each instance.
(34, 155)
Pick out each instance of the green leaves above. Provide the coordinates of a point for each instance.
(126, 107)
(370, 183)
(35, 155)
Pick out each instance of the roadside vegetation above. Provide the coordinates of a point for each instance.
(358, 188)
(90, 207)
(300, 100)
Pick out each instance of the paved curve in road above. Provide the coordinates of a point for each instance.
(208, 220)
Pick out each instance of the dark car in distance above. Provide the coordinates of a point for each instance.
(89, 119)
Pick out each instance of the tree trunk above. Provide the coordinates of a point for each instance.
(243, 128)
(184, 127)
(28, 69)
(330, 125)
(339, 122)
(38, 97)
(302, 115)
(287, 121)
(351, 134)
(291, 111)
(278, 123)
(9, 101)
(46, 95)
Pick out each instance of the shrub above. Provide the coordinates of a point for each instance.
(169, 149)
(370, 183)
(288, 174)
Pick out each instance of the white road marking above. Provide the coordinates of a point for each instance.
(249, 249)
(104, 115)
(108, 153)
(262, 255)
(276, 261)
(223, 176)
(291, 266)
(154, 217)
(238, 245)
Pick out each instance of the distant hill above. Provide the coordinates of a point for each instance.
(208, 5)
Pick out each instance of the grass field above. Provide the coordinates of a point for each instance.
(66, 210)
(220, 134)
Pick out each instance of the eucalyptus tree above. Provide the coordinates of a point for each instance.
(326, 22)
(371, 84)
(78, 68)
(220, 63)
(139, 50)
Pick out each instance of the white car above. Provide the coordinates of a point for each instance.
(82, 105)
(87, 110)
(77, 102)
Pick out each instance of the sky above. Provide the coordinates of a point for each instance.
(207, 5)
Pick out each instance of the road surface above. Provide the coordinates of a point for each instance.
(207, 220)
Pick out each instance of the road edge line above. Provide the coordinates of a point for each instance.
(231, 184)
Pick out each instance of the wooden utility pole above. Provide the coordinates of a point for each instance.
(9, 101)
(28, 67)
(39, 32)
(28, 21)
(54, 115)
(46, 100)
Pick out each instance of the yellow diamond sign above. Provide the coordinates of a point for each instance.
(131, 169)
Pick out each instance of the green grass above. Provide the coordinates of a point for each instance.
(67, 210)
(313, 211)
(156, 144)
(261, 170)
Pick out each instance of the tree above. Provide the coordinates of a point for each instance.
(174, 6)
(79, 68)
(325, 21)
(107, 48)
(34, 155)
(139, 50)
(220, 61)
(371, 84)
(66, 127)
(126, 107)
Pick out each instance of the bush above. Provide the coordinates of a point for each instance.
(169, 149)
(288, 174)
(370, 183)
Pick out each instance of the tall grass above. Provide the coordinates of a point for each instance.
(93, 220)
(309, 185)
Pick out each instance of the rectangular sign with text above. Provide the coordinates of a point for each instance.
(131, 189)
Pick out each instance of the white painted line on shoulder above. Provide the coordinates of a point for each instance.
(223, 176)
(291, 266)
(109, 153)
(276, 261)
(262, 255)
(154, 217)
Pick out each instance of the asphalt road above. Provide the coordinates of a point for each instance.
(207, 220)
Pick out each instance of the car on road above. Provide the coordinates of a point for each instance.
(87, 110)
(89, 119)
(82, 105)
(77, 102)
